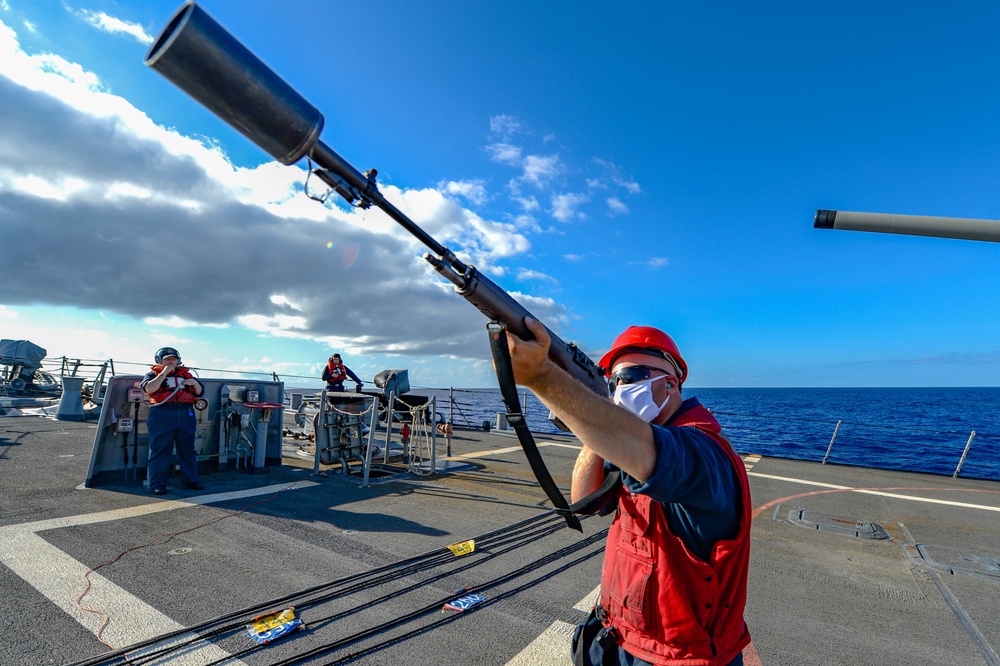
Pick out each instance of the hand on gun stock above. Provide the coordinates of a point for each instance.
(530, 358)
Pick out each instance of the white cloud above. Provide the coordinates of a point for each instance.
(60, 189)
(472, 190)
(527, 204)
(174, 321)
(544, 308)
(544, 172)
(564, 206)
(527, 274)
(505, 126)
(541, 170)
(6, 313)
(483, 241)
(504, 153)
(281, 299)
(168, 338)
(527, 222)
(169, 322)
(616, 207)
(278, 325)
(615, 175)
(113, 25)
(630, 186)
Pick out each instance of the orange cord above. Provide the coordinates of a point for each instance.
(86, 576)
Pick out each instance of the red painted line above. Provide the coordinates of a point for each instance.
(750, 656)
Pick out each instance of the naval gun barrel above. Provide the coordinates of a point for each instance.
(914, 225)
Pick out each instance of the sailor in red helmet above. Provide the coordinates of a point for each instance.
(172, 391)
(674, 582)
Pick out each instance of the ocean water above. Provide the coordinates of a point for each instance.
(915, 429)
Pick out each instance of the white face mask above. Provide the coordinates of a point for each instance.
(638, 398)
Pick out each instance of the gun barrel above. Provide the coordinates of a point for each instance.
(914, 225)
(204, 60)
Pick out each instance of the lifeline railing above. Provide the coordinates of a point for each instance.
(468, 407)
(483, 409)
(476, 409)
(899, 429)
(958, 469)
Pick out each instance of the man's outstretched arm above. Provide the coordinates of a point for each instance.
(606, 431)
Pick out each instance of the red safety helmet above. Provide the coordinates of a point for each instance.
(645, 339)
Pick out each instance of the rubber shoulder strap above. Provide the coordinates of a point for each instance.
(505, 377)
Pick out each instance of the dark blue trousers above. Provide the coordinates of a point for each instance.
(169, 425)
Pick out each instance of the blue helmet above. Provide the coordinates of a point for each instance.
(164, 352)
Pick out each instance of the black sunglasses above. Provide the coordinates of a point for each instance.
(632, 374)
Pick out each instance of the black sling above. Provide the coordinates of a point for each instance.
(593, 502)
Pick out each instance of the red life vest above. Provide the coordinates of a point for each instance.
(666, 605)
(335, 375)
(185, 395)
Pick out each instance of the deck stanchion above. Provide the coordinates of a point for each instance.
(320, 423)
(832, 440)
(366, 464)
(434, 440)
(451, 415)
(964, 453)
(391, 405)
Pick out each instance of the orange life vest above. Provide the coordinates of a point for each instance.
(335, 375)
(185, 395)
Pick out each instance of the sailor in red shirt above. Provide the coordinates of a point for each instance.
(674, 582)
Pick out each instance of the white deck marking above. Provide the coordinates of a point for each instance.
(509, 449)
(483, 454)
(589, 601)
(880, 493)
(561, 445)
(60, 577)
(552, 647)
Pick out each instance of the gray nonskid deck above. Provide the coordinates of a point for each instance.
(818, 593)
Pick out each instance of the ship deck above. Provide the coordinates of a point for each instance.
(849, 565)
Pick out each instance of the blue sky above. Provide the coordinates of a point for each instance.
(610, 165)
